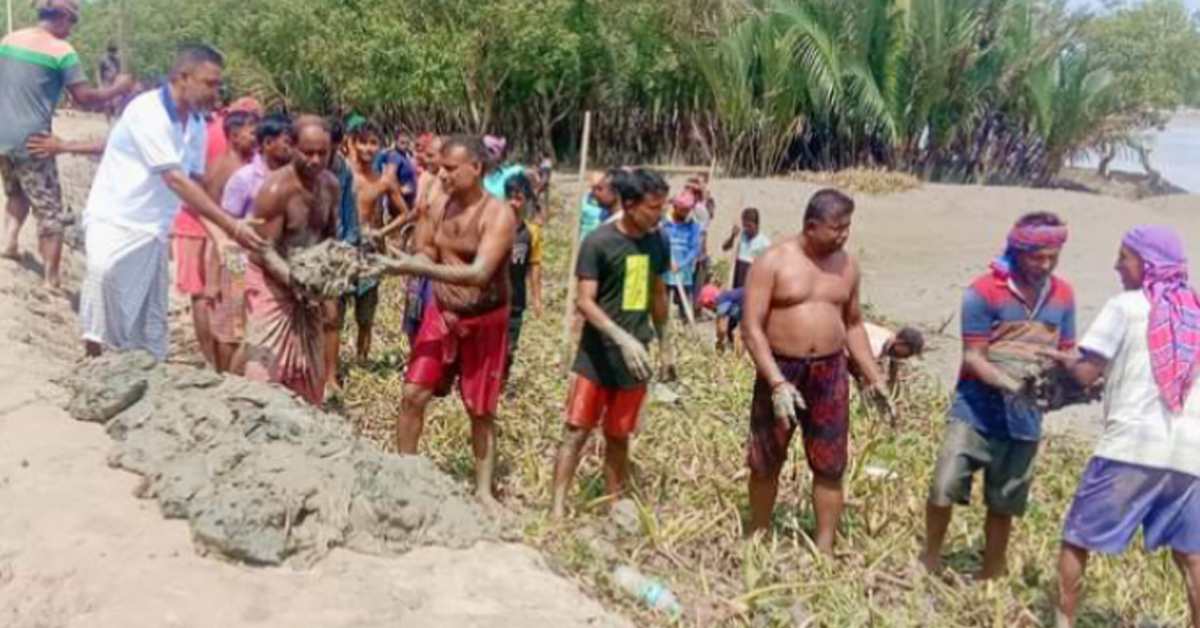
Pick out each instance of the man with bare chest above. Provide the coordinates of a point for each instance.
(464, 249)
(801, 315)
(295, 209)
(371, 188)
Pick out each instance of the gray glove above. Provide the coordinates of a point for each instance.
(877, 395)
(787, 400)
(634, 353)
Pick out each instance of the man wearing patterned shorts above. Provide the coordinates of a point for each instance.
(36, 65)
(801, 315)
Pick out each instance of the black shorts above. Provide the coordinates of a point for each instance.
(365, 303)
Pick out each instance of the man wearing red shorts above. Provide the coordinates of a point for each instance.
(463, 247)
(620, 272)
(800, 315)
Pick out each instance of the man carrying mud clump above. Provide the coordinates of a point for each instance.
(296, 209)
(463, 246)
(801, 317)
(1010, 316)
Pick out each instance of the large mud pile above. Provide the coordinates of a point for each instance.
(260, 476)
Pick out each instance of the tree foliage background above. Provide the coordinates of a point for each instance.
(958, 90)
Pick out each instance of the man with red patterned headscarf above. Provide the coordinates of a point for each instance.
(1011, 314)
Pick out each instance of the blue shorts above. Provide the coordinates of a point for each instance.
(1116, 498)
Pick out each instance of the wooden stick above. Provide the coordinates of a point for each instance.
(677, 169)
(687, 306)
(122, 38)
(569, 308)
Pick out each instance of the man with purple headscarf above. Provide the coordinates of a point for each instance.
(1145, 472)
(1011, 314)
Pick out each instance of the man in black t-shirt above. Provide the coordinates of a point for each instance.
(621, 291)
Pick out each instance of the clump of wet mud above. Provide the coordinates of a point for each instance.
(1045, 382)
(331, 269)
(260, 476)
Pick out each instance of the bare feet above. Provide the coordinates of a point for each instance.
(489, 503)
(932, 564)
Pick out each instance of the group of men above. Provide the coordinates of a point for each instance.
(457, 228)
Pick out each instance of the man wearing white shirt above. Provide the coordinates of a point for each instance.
(751, 245)
(142, 179)
(1145, 472)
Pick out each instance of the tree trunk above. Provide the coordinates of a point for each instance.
(1110, 153)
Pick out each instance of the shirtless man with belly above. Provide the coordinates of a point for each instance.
(463, 246)
(801, 314)
(296, 208)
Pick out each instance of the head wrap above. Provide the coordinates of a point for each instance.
(708, 296)
(1026, 238)
(247, 105)
(495, 145)
(1174, 329)
(354, 122)
(685, 200)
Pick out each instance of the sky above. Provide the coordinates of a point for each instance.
(1193, 5)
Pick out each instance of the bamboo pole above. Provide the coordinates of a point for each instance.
(10, 17)
(122, 37)
(572, 285)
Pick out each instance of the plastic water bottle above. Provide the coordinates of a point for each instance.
(652, 593)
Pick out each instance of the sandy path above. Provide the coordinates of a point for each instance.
(77, 549)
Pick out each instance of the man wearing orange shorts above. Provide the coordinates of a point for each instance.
(463, 245)
(620, 272)
(193, 262)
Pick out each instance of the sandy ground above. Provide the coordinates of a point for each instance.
(77, 549)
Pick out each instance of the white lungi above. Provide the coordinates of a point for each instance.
(124, 300)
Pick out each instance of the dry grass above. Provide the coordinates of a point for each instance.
(861, 180)
(690, 477)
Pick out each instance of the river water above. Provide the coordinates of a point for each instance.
(1176, 153)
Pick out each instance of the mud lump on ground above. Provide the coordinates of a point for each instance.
(261, 477)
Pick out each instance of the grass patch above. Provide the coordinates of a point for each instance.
(691, 489)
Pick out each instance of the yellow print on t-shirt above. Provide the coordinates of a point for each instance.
(635, 296)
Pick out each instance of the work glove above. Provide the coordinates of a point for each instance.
(787, 401)
(877, 395)
(634, 354)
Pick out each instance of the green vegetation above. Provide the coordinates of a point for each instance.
(956, 90)
(690, 476)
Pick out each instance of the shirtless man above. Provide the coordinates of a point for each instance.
(370, 190)
(242, 146)
(800, 315)
(295, 209)
(429, 189)
(465, 252)
(401, 239)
